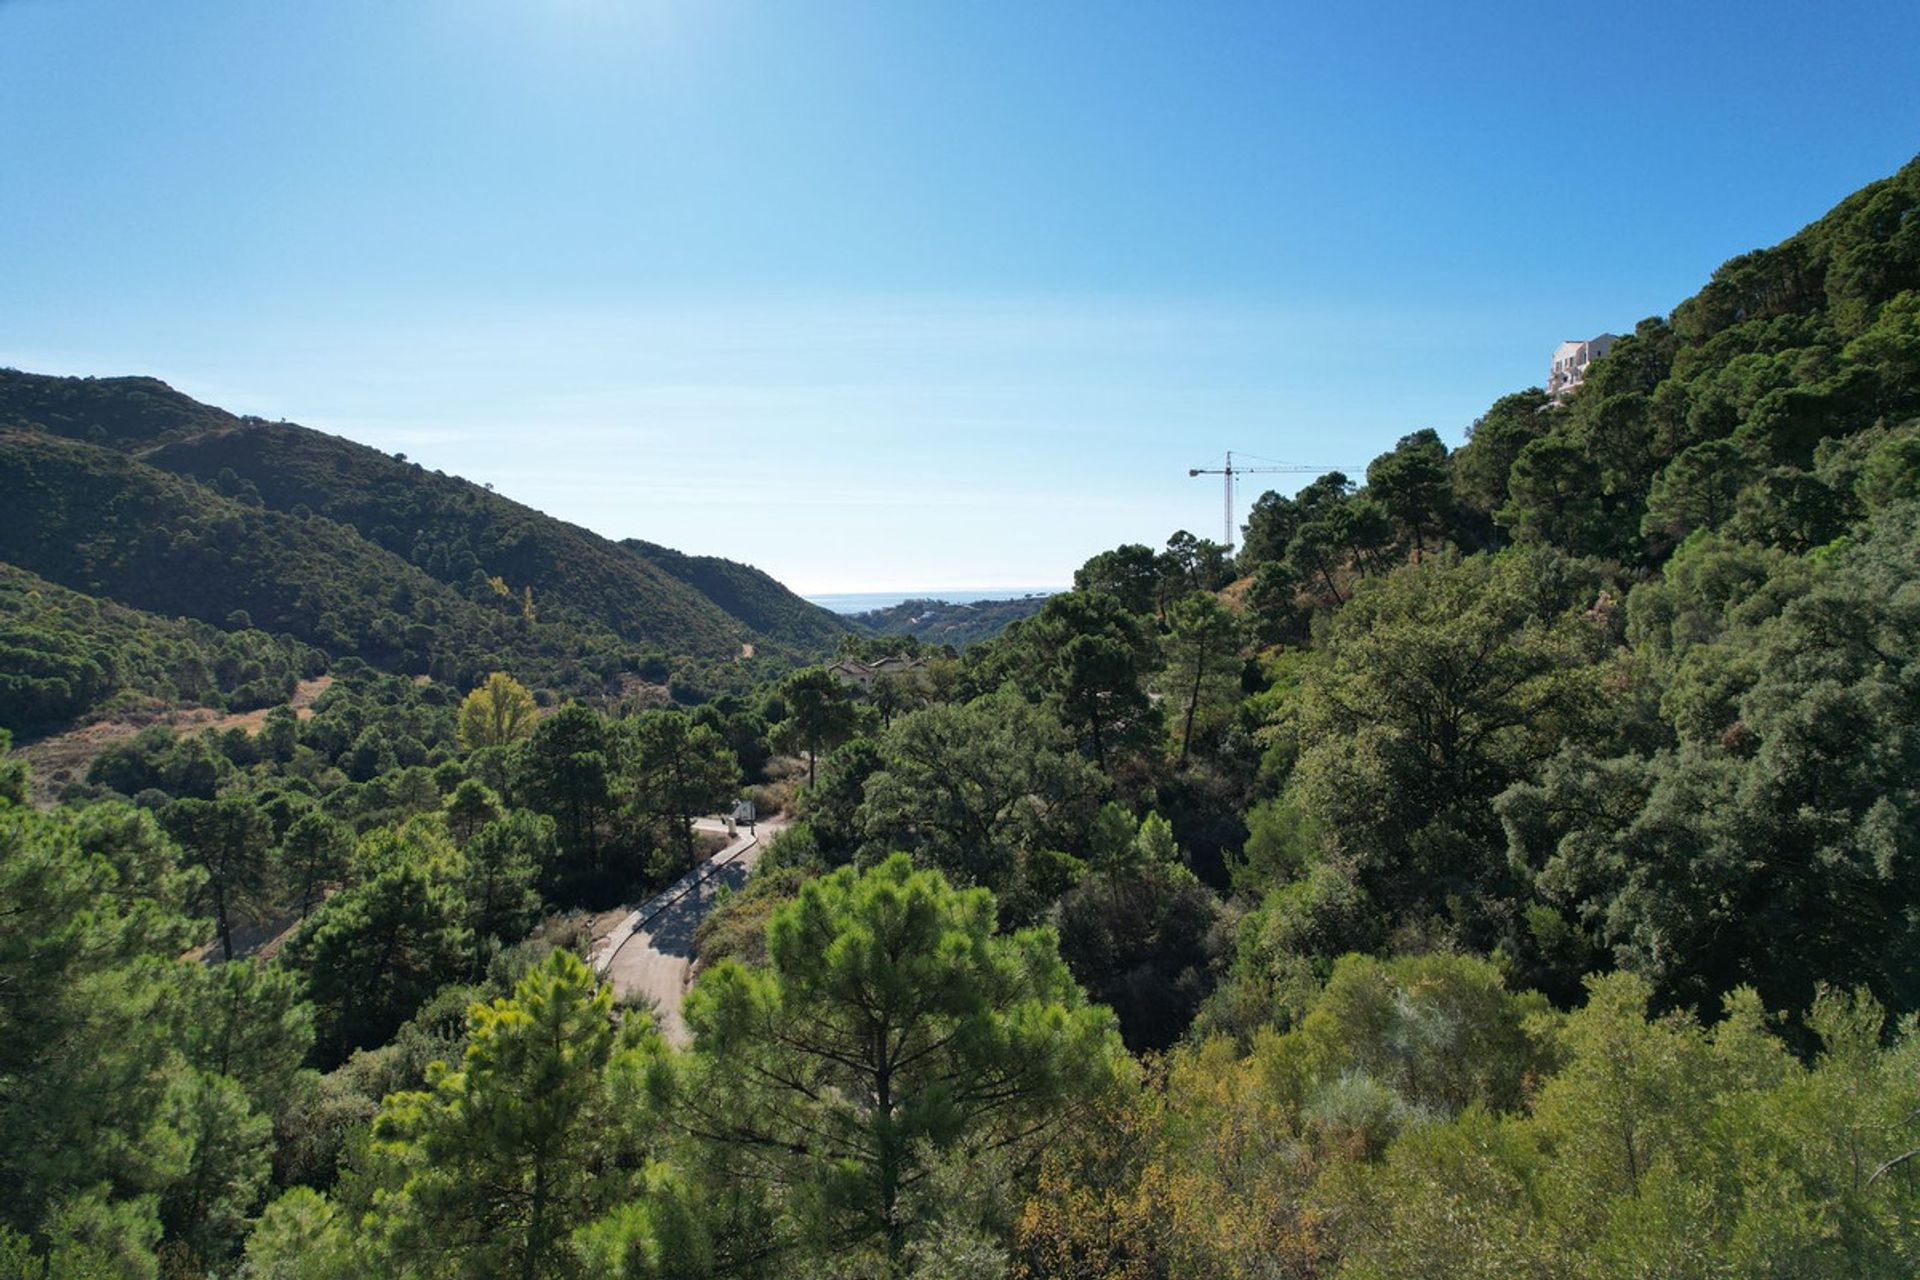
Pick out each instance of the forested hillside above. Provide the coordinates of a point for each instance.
(449, 528)
(126, 490)
(1505, 867)
(96, 521)
(62, 653)
(745, 592)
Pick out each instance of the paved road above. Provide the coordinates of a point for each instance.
(651, 951)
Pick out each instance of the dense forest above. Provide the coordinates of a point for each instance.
(1499, 865)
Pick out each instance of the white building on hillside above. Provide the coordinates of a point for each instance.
(1570, 361)
(851, 671)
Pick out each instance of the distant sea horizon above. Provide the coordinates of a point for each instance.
(867, 601)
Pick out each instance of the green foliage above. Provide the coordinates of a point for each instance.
(1440, 1032)
(1138, 934)
(499, 869)
(1441, 685)
(373, 953)
(1698, 490)
(1660, 1148)
(230, 841)
(1769, 847)
(472, 806)
(1655, 763)
(247, 1022)
(684, 769)
(13, 772)
(96, 521)
(63, 654)
(833, 825)
(745, 593)
(1273, 603)
(819, 715)
(736, 929)
(1189, 564)
(1101, 695)
(946, 625)
(500, 1165)
(570, 772)
(981, 791)
(891, 1023)
(207, 1208)
(1481, 467)
(136, 1093)
(1202, 660)
(1412, 484)
(1283, 844)
(1554, 496)
(92, 918)
(300, 1236)
(216, 520)
(447, 526)
(1129, 574)
(1088, 657)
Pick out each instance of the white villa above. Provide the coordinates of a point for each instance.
(851, 671)
(1570, 361)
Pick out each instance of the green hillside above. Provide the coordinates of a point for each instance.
(748, 594)
(100, 523)
(126, 490)
(456, 532)
(125, 412)
(1742, 410)
(63, 653)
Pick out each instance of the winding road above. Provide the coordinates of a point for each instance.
(651, 953)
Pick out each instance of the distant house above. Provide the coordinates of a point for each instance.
(861, 675)
(1570, 361)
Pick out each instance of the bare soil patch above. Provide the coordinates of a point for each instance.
(63, 758)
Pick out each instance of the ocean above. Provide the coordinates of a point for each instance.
(864, 601)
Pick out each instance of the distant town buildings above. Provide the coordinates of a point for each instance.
(1570, 361)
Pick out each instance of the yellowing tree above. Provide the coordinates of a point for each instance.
(497, 713)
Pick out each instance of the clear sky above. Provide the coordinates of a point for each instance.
(898, 294)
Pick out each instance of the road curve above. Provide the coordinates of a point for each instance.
(650, 952)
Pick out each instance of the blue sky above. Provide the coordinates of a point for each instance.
(898, 295)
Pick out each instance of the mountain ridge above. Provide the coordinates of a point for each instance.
(128, 490)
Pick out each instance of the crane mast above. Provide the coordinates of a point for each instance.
(1226, 486)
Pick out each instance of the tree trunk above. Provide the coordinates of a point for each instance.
(889, 1160)
(220, 918)
(1193, 704)
(536, 1224)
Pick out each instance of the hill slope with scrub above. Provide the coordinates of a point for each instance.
(126, 490)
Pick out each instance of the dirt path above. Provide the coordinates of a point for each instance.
(650, 952)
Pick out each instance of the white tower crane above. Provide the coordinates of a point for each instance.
(1229, 471)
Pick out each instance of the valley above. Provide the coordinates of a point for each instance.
(441, 846)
